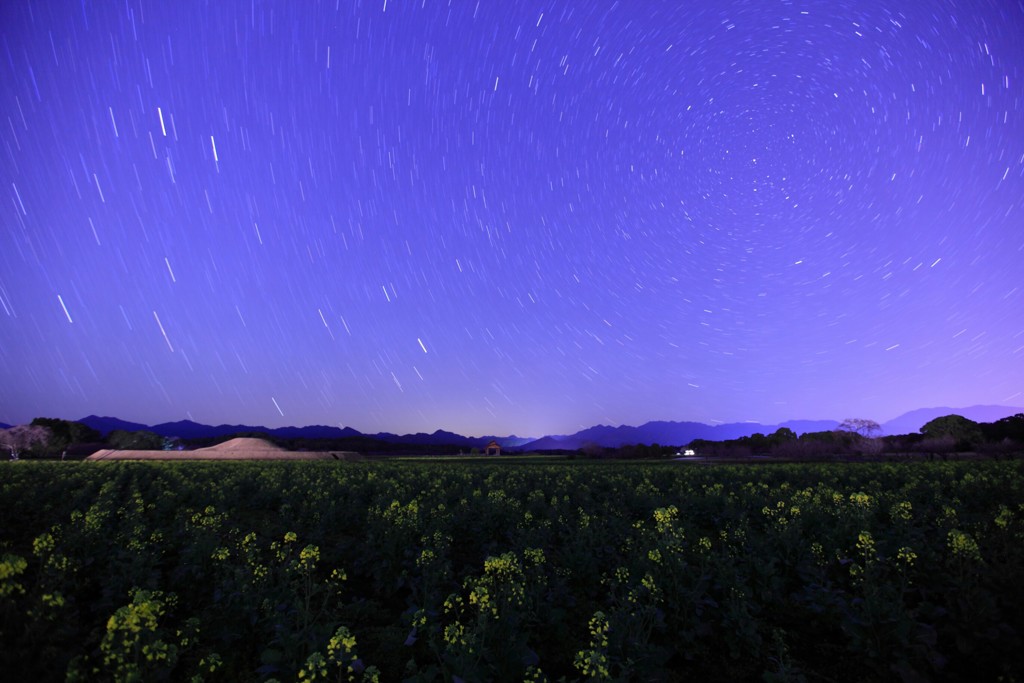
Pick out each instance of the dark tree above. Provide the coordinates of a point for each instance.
(64, 433)
(963, 432)
(1011, 428)
(135, 441)
(783, 435)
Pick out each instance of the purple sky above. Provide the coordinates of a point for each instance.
(509, 217)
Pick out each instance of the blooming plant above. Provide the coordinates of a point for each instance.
(564, 570)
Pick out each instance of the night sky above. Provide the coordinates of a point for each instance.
(509, 217)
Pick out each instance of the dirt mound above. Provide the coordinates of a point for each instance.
(243, 444)
(246, 448)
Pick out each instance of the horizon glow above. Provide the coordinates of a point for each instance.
(509, 218)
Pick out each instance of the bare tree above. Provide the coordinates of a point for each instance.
(22, 438)
(866, 428)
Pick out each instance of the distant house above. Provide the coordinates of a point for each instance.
(493, 448)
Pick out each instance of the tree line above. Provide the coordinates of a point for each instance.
(860, 437)
(48, 437)
(51, 438)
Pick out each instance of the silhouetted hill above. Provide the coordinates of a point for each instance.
(804, 426)
(439, 437)
(681, 433)
(313, 432)
(552, 443)
(667, 433)
(911, 423)
(187, 429)
(443, 438)
(105, 425)
(670, 433)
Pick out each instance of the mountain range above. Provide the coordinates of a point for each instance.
(663, 432)
(186, 429)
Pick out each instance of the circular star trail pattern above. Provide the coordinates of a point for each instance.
(495, 217)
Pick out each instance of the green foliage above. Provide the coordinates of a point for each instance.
(637, 451)
(11, 567)
(134, 646)
(1008, 428)
(135, 441)
(64, 433)
(964, 432)
(437, 571)
(782, 442)
(783, 435)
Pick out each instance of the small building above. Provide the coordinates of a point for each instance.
(493, 448)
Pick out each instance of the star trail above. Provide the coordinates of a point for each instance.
(509, 217)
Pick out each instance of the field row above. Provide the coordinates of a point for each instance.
(430, 571)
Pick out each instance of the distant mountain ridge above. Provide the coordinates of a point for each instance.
(671, 433)
(105, 425)
(667, 433)
(909, 423)
(187, 429)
